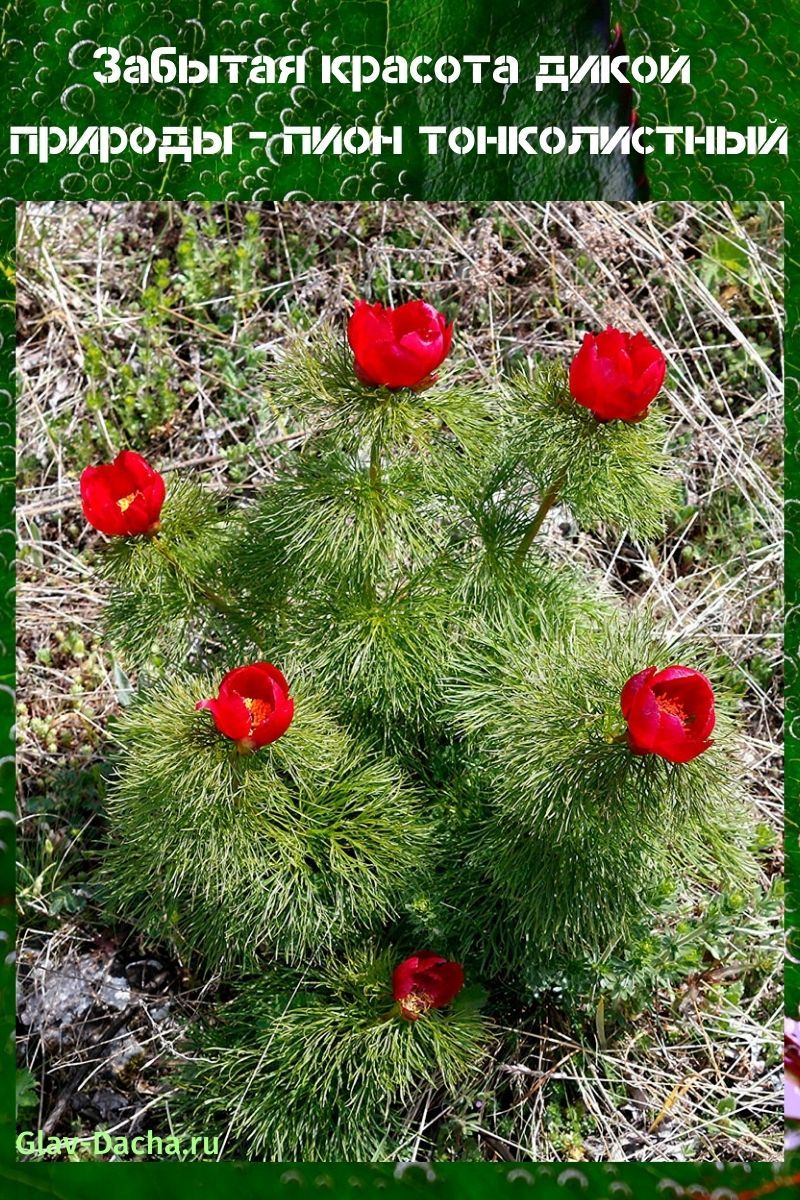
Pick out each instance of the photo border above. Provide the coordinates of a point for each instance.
(464, 1180)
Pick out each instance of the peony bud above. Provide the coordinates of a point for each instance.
(398, 347)
(123, 498)
(669, 713)
(252, 707)
(617, 375)
(425, 981)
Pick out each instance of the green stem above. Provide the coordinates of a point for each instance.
(375, 467)
(548, 500)
(376, 484)
(214, 598)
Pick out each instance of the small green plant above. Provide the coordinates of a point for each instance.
(297, 1050)
(27, 1092)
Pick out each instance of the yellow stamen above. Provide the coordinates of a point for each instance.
(674, 708)
(417, 1002)
(126, 501)
(259, 710)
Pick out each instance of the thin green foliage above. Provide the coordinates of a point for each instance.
(310, 841)
(317, 1064)
(578, 833)
(457, 775)
(318, 384)
(613, 472)
(549, 713)
(382, 658)
(168, 590)
(328, 519)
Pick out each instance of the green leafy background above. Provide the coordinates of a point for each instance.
(745, 58)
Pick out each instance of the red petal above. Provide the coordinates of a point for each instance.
(644, 354)
(674, 672)
(650, 380)
(581, 370)
(671, 735)
(363, 375)
(703, 726)
(633, 687)
(274, 726)
(601, 382)
(369, 322)
(136, 470)
(611, 342)
(677, 673)
(258, 681)
(694, 692)
(430, 975)
(403, 977)
(255, 681)
(644, 719)
(138, 517)
(277, 676)
(615, 375)
(231, 715)
(682, 751)
(155, 491)
(416, 317)
(99, 506)
(397, 347)
(443, 982)
(102, 486)
(426, 959)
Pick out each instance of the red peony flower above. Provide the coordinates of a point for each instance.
(425, 981)
(616, 374)
(669, 713)
(398, 347)
(253, 706)
(123, 498)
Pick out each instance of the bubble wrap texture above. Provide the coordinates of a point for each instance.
(49, 50)
(744, 56)
(439, 1181)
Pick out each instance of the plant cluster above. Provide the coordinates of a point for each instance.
(390, 764)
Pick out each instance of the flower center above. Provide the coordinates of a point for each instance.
(673, 706)
(259, 710)
(125, 502)
(417, 1002)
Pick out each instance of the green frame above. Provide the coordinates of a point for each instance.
(750, 31)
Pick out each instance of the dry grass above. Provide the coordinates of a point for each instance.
(695, 1074)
